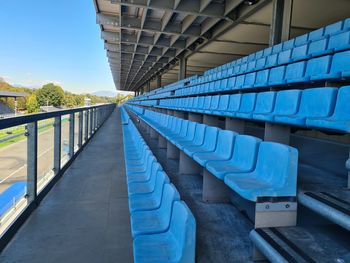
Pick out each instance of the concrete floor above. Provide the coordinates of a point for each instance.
(85, 217)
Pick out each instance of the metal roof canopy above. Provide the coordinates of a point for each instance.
(9, 94)
(146, 38)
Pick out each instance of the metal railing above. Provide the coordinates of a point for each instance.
(89, 121)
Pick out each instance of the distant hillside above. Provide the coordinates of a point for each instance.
(10, 101)
(105, 93)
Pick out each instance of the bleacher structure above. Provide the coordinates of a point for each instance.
(239, 127)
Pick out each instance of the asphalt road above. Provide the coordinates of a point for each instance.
(13, 158)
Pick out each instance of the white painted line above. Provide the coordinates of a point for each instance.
(20, 168)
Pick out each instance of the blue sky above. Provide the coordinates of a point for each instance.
(53, 41)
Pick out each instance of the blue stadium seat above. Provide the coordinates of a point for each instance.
(318, 68)
(190, 135)
(177, 245)
(301, 40)
(339, 41)
(223, 105)
(295, 72)
(262, 78)
(222, 151)
(151, 200)
(143, 182)
(235, 102)
(276, 76)
(265, 103)
(260, 63)
(315, 103)
(214, 104)
(247, 106)
(158, 220)
(300, 53)
(284, 57)
(271, 60)
(333, 28)
(239, 81)
(243, 158)
(340, 65)
(287, 45)
(269, 178)
(177, 133)
(316, 34)
(196, 140)
(318, 48)
(287, 103)
(340, 119)
(208, 143)
(249, 81)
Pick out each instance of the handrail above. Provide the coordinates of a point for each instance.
(18, 120)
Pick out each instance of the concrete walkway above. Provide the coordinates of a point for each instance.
(85, 217)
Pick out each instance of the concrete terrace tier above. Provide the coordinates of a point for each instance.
(85, 217)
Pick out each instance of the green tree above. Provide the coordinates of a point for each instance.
(50, 94)
(32, 104)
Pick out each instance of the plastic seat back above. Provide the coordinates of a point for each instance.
(207, 102)
(200, 103)
(340, 64)
(225, 142)
(265, 102)
(342, 109)
(245, 152)
(170, 195)
(214, 102)
(287, 102)
(199, 134)
(210, 138)
(247, 102)
(339, 41)
(282, 175)
(223, 102)
(295, 72)
(183, 228)
(235, 102)
(184, 128)
(333, 28)
(276, 76)
(317, 102)
(318, 66)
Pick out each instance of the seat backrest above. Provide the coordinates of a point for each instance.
(342, 109)
(247, 102)
(265, 102)
(223, 103)
(207, 102)
(301, 40)
(153, 174)
(199, 134)
(235, 102)
(224, 146)
(214, 102)
(295, 71)
(210, 138)
(245, 152)
(262, 77)
(183, 228)
(333, 28)
(184, 128)
(161, 179)
(191, 130)
(318, 66)
(340, 62)
(287, 102)
(282, 173)
(276, 75)
(170, 194)
(317, 102)
(200, 102)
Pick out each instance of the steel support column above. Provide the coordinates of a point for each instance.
(57, 145)
(281, 21)
(159, 81)
(182, 68)
(71, 134)
(32, 160)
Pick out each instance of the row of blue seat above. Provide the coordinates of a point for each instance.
(316, 108)
(326, 40)
(320, 34)
(247, 165)
(11, 195)
(329, 67)
(163, 227)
